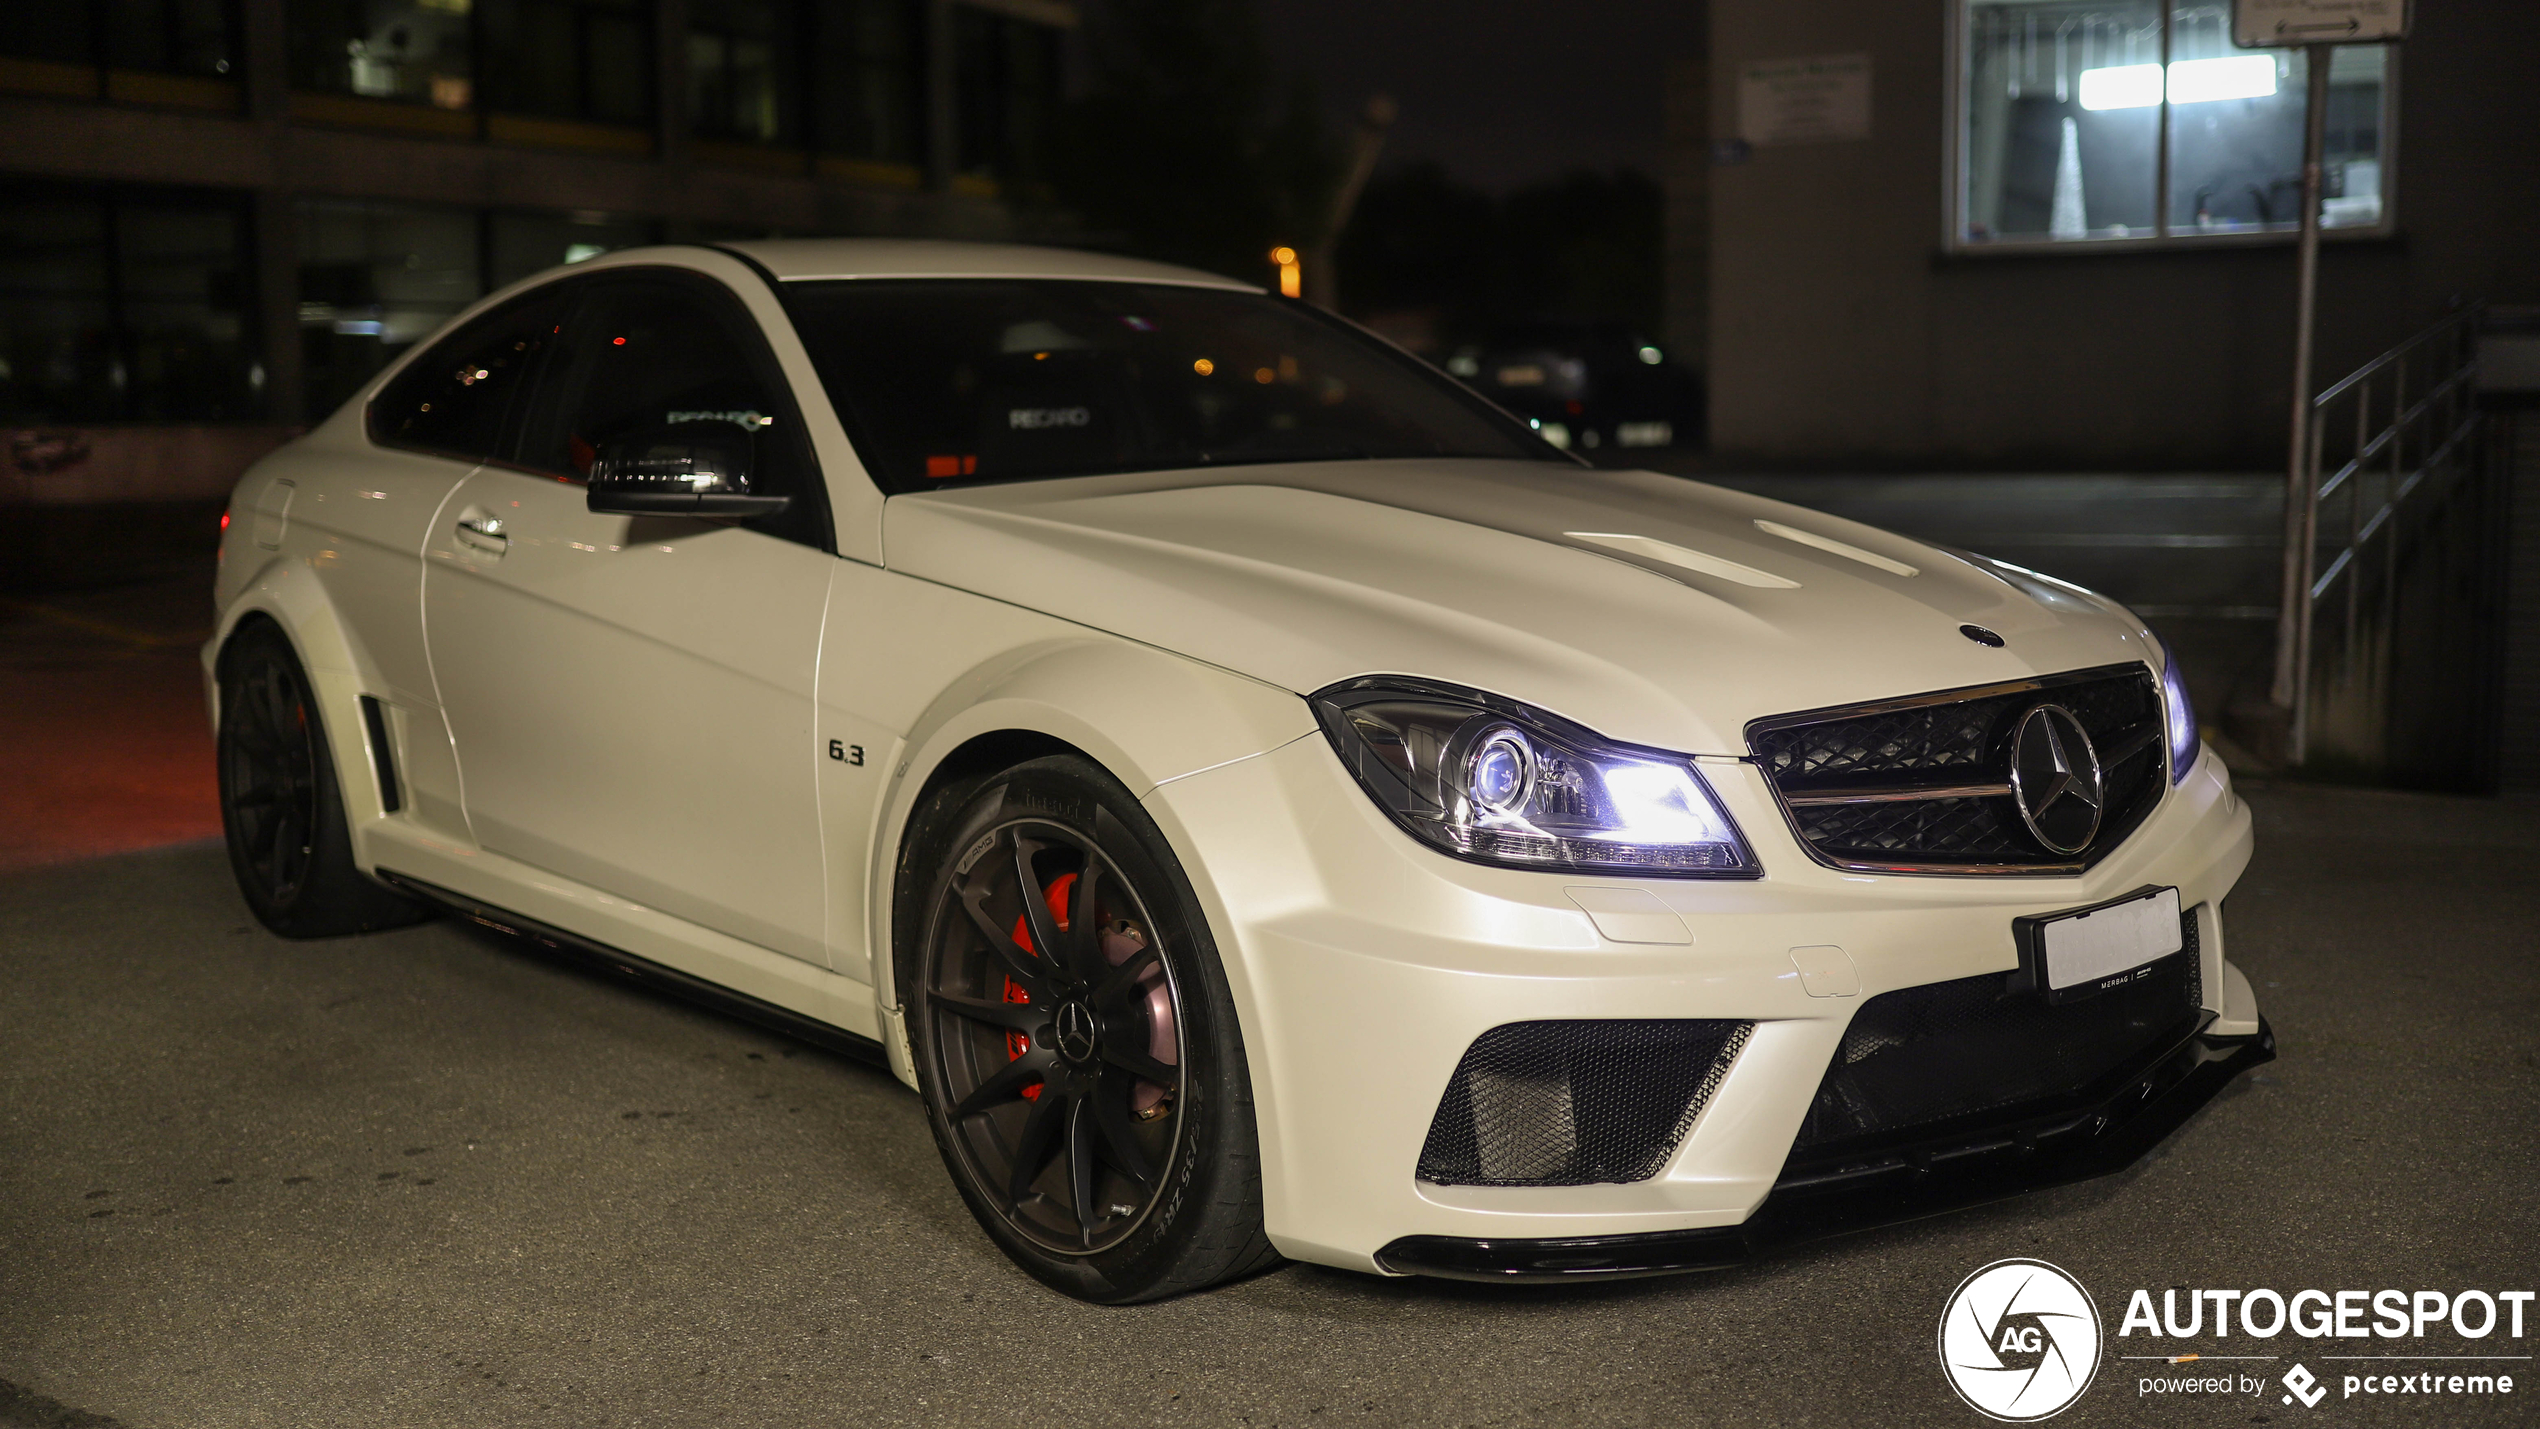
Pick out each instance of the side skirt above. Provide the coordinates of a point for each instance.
(644, 970)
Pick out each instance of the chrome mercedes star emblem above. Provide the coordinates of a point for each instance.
(2055, 779)
(1076, 1029)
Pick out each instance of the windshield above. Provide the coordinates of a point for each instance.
(945, 381)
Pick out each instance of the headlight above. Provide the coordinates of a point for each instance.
(2180, 714)
(1497, 782)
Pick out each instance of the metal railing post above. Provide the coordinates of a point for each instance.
(2301, 490)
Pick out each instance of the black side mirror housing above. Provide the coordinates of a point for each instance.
(682, 469)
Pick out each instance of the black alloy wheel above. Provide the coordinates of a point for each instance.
(1074, 1038)
(269, 776)
(282, 808)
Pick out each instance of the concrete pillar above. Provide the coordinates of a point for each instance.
(943, 138)
(273, 238)
(1687, 188)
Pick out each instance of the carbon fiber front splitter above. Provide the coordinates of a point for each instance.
(1893, 1183)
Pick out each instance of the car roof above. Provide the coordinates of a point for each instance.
(805, 259)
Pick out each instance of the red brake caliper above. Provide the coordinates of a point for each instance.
(1018, 1043)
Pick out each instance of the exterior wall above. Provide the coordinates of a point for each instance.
(1843, 333)
(250, 134)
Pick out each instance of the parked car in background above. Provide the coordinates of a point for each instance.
(1586, 386)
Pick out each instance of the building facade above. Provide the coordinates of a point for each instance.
(1999, 234)
(218, 218)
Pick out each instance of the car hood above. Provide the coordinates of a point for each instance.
(1650, 608)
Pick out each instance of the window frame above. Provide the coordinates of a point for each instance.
(810, 521)
(451, 332)
(1956, 82)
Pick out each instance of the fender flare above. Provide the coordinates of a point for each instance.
(1144, 715)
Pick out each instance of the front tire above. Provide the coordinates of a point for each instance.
(281, 806)
(1074, 1037)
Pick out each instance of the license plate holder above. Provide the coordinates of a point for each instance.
(2076, 953)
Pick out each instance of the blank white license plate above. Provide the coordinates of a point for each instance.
(2088, 951)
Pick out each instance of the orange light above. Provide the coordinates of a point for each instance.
(1291, 272)
(1203, 367)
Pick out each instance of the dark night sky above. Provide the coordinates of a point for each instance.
(1500, 91)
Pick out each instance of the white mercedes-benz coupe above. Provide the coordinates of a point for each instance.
(1264, 799)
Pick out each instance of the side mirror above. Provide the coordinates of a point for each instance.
(684, 469)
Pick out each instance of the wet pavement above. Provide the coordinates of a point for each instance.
(429, 1178)
(105, 743)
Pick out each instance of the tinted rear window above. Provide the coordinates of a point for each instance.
(948, 381)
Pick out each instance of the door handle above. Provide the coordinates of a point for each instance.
(484, 534)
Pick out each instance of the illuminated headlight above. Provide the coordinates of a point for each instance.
(2181, 716)
(1497, 782)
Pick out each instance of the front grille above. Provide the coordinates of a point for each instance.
(1575, 1103)
(1922, 1056)
(1922, 784)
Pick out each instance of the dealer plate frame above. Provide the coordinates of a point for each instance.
(2029, 933)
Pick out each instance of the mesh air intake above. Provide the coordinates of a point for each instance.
(1576, 1103)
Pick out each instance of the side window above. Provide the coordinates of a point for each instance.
(451, 400)
(645, 352)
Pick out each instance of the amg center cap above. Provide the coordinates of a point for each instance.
(2055, 779)
(1077, 1030)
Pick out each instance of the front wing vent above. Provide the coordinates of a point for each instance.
(1575, 1103)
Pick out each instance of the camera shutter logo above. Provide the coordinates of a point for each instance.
(2019, 1341)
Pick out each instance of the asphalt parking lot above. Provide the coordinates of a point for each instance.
(430, 1177)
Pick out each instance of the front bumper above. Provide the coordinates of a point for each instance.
(1363, 965)
(1927, 1177)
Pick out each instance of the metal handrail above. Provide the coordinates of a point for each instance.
(2440, 421)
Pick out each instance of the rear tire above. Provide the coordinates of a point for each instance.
(282, 808)
(1074, 1038)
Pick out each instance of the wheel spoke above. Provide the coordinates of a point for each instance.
(1084, 938)
(1039, 1140)
(1129, 1059)
(1018, 964)
(1013, 1016)
(1080, 1166)
(1111, 1117)
(1005, 1086)
(1118, 980)
(1036, 913)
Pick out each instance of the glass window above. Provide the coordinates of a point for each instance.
(47, 30)
(572, 59)
(375, 278)
(520, 244)
(646, 352)
(170, 36)
(942, 381)
(182, 269)
(124, 306)
(452, 400)
(2063, 105)
(413, 50)
(742, 62)
(167, 36)
(868, 104)
(1006, 93)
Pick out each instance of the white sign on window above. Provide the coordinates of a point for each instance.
(2256, 23)
(1804, 101)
